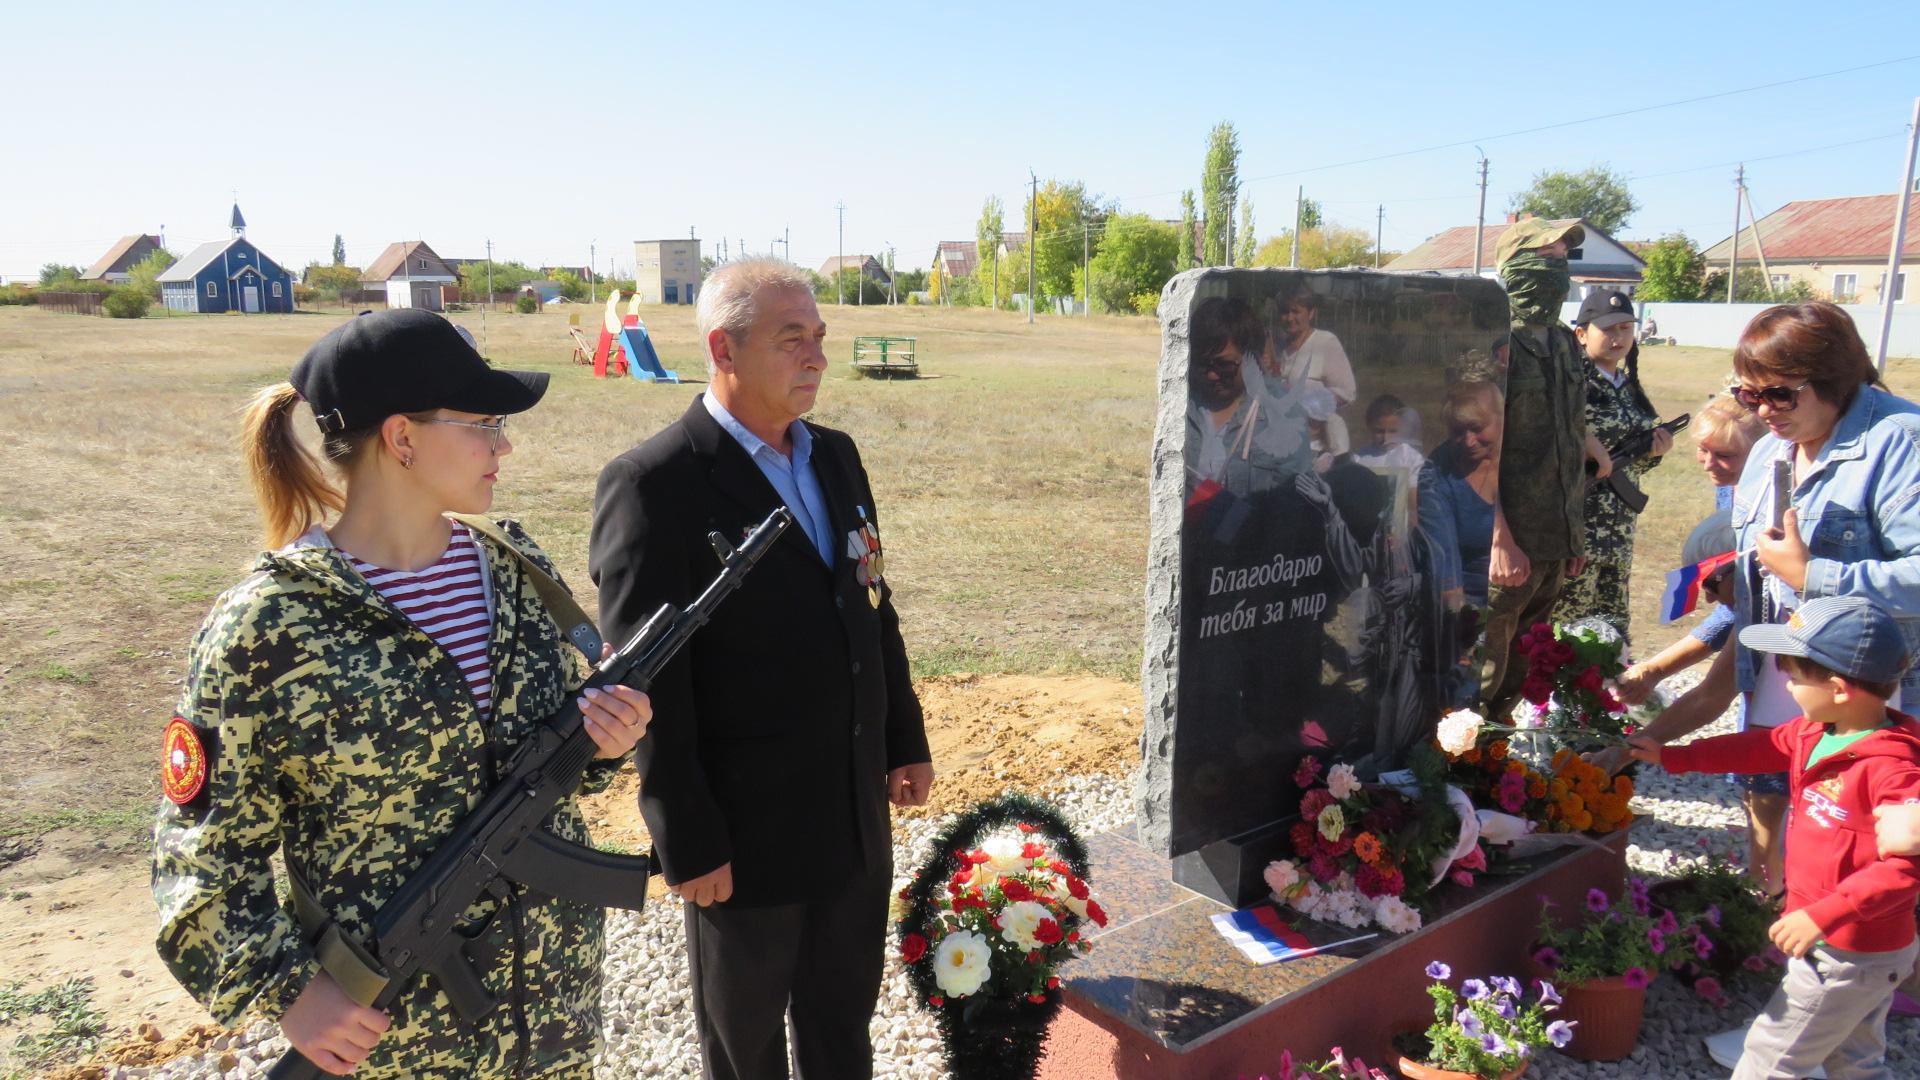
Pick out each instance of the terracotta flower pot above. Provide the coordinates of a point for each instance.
(1606, 1014)
(1414, 1070)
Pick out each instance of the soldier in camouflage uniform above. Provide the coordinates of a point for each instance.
(1617, 409)
(1538, 532)
(323, 724)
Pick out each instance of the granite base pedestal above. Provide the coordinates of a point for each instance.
(1163, 996)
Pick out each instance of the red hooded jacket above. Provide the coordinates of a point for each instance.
(1834, 873)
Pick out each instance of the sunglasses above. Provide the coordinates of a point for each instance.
(493, 429)
(1777, 398)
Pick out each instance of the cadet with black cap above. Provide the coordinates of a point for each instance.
(1539, 533)
(353, 697)
(1617, 409)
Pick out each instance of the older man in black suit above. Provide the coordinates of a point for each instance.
(785, 727)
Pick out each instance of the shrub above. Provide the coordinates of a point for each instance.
(127, 302)
(527, 304)
(15, 295)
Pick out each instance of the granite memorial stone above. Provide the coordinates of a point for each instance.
(1322, 511)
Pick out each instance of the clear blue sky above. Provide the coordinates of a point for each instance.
(615, 122)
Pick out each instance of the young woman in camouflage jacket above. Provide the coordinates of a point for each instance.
(322, 724)
(1617, 408)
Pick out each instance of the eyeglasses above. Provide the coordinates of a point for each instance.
(495, 428)
(1778, 398)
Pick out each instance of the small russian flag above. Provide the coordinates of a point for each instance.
(1263, 937)
(1683, 586)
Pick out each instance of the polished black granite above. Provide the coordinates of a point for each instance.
(1161, 967)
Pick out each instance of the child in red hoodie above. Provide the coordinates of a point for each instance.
(1849, 921)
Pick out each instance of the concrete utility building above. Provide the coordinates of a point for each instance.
(1838, 246)
(1600, 262)
(412, 276)
(121, 257)
(666, 271)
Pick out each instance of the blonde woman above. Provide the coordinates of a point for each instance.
(354, 695)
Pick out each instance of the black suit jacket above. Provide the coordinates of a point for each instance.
(774, 729)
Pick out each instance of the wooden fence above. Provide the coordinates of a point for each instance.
(71, 303)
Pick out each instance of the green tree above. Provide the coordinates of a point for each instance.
(55, 274)
(332, 283)
(1065, 214)
(910, 281)
(127, 302)
(1597, 194)
(1137, 257)
(1321, 248)
(1752, 287)
(854, 285)
(1189, 233)
(145, 274)
(1219, 188)
(1310, 215)
(507, 277)
(572, 285)
(1246, 240)
(1676, 270)
(339, 251)
(986, 235)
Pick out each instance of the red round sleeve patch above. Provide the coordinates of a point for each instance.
(183, 762)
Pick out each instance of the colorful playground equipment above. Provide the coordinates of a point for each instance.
(624, 347)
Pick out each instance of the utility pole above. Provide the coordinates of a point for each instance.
(1086, 262)
(999, 237)
(839, 255)
(1891, 288)
(1759, 248)
(483, 311)
(786, 242)
(1299, 215)
(1379, 223)
(593, 256)
(1733, 262)
(892, 297)
(1480, 224)
(1033, 237)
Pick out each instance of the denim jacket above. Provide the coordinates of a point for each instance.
(1859, 511)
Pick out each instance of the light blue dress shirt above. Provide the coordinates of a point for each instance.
(794, 480)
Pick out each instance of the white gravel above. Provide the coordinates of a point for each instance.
(649, 1018)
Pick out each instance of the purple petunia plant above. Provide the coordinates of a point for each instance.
(1487, 1027)
(1621, 938)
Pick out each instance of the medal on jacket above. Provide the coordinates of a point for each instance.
(183, 762)
(863, 547)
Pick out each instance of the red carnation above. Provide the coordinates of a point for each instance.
(1609, 702)
(1524, 645)
(977, 857)
(1095, 913)
(1589, 679)
(1027, 827)
(1053, 983)
(912, 948)
(1561, 652)
(1015, 890)
(1037, 999)
(1047, 932)
(1542, 630)
(1536, 689)
(1076, 888)
(936, 1001)
(1073, 937)
(1315, 801)
(1302, 836)
(1034, 957)
(1031, 850)
(961, 877)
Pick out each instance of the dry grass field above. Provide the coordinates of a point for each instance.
(1012, 481)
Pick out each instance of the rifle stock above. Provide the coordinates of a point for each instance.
(502, 840)
(1629, 450)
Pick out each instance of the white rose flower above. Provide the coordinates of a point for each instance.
(1395, 915)
(962, 963)
(1075, 905)
(1341, 781)
(1019, 920)
(1459, 731)
(1332, 822)
(1003, 854)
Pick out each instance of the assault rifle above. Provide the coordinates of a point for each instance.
(501, 842)
(1629, 450)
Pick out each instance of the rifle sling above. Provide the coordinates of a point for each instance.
(357, 972)
(566, 613)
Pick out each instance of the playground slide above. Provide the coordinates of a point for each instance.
(642, 361)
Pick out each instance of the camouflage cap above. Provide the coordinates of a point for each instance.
(1536, 232)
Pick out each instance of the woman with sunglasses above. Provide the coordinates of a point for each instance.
(354, 696)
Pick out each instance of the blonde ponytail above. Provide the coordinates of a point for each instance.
(289, 486)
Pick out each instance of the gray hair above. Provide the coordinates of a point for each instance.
(727, 298)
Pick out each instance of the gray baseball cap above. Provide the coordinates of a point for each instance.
(1849, 635)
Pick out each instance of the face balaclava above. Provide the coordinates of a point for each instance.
(1536, 286)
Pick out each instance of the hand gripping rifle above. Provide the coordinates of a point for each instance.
(1629, 450)
(501, 842)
